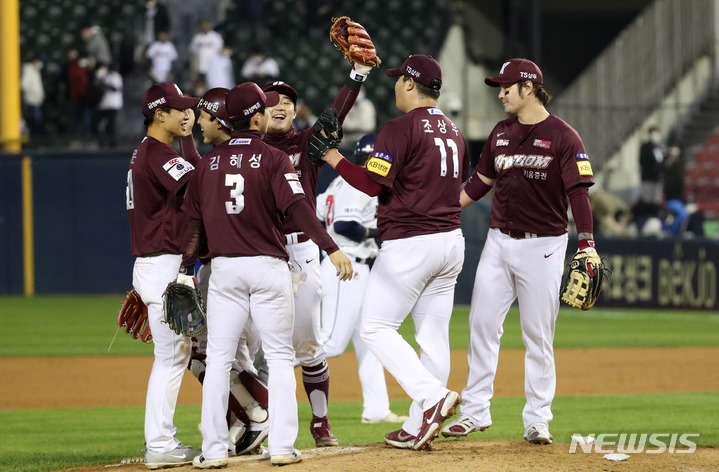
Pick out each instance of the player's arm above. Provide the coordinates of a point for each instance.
(354, 231)
(582, 212)
(354, 175)
(188, 148)
(477, 186)
(303, 213)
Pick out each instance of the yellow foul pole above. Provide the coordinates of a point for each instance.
(10, 75)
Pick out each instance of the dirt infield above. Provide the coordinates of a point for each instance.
(580, 371)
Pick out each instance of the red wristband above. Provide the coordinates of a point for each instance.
(586, 244)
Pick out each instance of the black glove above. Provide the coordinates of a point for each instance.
(184, 310)
(319, 143)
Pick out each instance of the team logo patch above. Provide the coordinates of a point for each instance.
(585, 168)
(542, 144)
(502, 142)
(294, 181)
(178, 167)
(240, 141)
(380, 163)
(295, 158)
(582, 156)
(434, 111)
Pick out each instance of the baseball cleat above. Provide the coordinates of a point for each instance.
(400, 439)
(181, 455)
(538, 434)
(433, 419)
(251, 442)
(201, 463)
(320, 428)
(461, 427)
(284, 459)
(390, 418)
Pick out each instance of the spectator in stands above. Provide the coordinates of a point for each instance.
(33, 95)
(77, 84)
(305, 118)
(162, 55)
(676, 217)
(361, 120)
(111, 83)
(96, 44)
(205, 43)
(651, 159)
(674, 174)
(260, 68)
(156, 19)
(220, 72)
(611, 214)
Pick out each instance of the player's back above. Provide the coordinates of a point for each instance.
(425, 163)
(244, 188)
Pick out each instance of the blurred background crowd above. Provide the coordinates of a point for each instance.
(86, 64)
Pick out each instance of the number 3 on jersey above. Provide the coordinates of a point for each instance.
(237, 182)
(439, 142)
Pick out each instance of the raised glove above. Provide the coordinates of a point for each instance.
(183, 308)
(583, 281)
(353, 40)
(133, 317)
(321, 143)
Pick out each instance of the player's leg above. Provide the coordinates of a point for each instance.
(492, 296)
(228, 307)
(272, 309)
(341, 303)
(307, 343)
(172, 352)
(538, 272)
(375, 399)
(398, 276)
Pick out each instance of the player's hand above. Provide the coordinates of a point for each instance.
(342, 263)
(190, 122)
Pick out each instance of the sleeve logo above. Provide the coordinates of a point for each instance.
(177, 167)
(295, 185)
(380, 163)
(585, 168)
(582, 156)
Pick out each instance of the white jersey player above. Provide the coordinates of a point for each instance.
(351, 219)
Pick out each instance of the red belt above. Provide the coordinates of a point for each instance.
(294, 238)
(516, 234)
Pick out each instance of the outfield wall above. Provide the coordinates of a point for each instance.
(80, 240)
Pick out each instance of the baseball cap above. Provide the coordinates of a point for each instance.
(165, 94)
(213, 102)
(365, 145)
(516, 70)
(423, 69)
(283, 88)
(246, 99)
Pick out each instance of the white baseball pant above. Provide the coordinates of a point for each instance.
(529, 270)
(341, 309)
(172, 351)
(241, 287)
(417, 275)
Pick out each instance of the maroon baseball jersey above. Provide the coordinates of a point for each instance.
(421, 157)
(241, 190)
(295, 145)
(534, 166)
(154, 196)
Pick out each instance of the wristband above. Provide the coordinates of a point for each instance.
(586, 242)
(476, 188)
(357, 77)
(187, 270)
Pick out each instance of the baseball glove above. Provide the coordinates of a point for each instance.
(133, 317)
(320, 144)
(353, 40)
(583, 281)
(183, 309)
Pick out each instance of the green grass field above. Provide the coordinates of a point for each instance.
(42, 439)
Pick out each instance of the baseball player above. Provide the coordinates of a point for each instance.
(247, 413)
(417, 168)
(351, 219)
(156, 182)
(243, 190)
(304, 254)
(535, 162)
